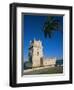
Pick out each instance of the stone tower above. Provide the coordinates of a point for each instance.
(36, 53)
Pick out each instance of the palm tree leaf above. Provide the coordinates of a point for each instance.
(45, 33)
(50, 18)
(52, 24)
(48, 32)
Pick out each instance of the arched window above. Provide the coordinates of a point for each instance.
(37, 53)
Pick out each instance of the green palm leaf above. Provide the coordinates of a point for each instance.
(50, 26)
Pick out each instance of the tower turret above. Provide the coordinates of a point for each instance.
(35, 53)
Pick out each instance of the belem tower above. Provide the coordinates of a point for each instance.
(36, 56)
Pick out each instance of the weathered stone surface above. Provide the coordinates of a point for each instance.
(36, 55)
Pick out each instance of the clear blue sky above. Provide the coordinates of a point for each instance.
(33, 28)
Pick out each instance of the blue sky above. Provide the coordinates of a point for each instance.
(33, 28)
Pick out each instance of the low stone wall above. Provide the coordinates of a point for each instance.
(49, 61)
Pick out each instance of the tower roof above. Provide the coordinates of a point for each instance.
(35, 43)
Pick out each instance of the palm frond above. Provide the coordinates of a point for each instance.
(52, 24)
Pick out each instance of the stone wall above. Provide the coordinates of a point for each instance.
(36, 61)
(49, 61)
